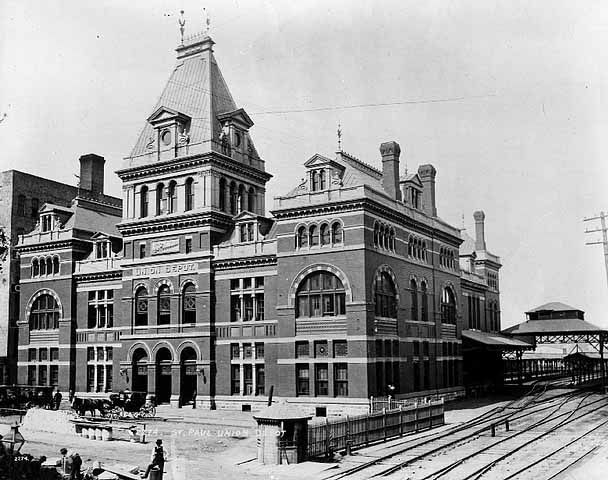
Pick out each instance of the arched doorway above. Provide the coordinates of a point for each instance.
(163, 375)
(188, 376)
(140, 371)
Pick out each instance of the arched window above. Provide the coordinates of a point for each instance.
(164, 306)
(141, 307)
(143, 202)
(55, 264)
(189, 304)
(233, 198)
(336, 233)
(376, 234)
(49, 265)
(35, 268)
(424, 310)
(414, 299)
(42, 266)
(385, 296)
(424, 251)
(251, 200)
(325, 234)
(44, 314)
(392, 238)
(242, 205)
(160, 199)
(322, 180)
(171, 197)
(410, 248)
(222, 203)
(448, 306)
(313, 236)
(321, 294)
(302, 238)
(189, 193)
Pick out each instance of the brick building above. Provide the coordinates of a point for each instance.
(21, 195)
(351, 288)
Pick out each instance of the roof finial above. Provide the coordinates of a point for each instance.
(339, 137)
(182, 24)
(206, 22)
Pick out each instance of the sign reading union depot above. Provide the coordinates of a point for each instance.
(160, 270)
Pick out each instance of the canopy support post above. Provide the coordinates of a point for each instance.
(602, 366)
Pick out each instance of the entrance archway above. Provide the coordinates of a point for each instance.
(140, 371)
(163, 375)
(188, 376)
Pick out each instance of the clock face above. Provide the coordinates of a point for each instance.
(166, 137)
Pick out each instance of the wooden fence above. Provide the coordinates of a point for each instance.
(361, 430)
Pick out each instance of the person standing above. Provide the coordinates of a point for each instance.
(158, 457)
(64, 462)
(57, 399)
(76, 466)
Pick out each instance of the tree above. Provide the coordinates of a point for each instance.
(4, 244)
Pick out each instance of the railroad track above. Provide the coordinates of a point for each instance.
(551, 423)
(522, 407)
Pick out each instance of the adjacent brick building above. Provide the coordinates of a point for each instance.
(352, 287)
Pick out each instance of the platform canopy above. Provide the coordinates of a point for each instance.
(495, 341)
(557, 322)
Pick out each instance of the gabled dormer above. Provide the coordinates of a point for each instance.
(104, 245)
(170, 136)
(411, 190)
(234, 138)
(323, 173)
(53, 217)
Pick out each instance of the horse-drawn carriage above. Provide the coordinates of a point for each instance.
(133, 404)
(26, 396)
(118, 405)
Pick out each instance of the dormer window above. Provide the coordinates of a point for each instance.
(318, 180)
(102, 249)
(246, 232)
(46, 223)
(415, 198)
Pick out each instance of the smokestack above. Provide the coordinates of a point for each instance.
(427, 174)
(390, 152)
(480, 235)
(91, 173)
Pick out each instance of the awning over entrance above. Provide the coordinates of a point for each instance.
(495, 340)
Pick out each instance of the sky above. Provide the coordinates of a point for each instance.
(506, 99)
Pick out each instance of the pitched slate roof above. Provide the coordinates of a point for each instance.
(196, 88)
(554, 307)
(468, 246)
(553, 326)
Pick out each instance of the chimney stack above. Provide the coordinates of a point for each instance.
(91, 173)
(480, 235)
(390, 152)
(427, 174)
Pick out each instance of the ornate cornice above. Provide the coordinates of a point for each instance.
(371, 206)
(244, 262)
(46, 246)
(97, 276)
(211, 158)
(164, 223)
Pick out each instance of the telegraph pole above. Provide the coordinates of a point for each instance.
(604, 242)
(602, 218)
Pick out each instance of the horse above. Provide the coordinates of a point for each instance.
(83, 405)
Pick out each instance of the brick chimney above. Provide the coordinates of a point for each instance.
(427, 174)
(390, 152)
(91, 173)
(480, 235)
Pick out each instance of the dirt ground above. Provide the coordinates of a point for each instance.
(222, 445)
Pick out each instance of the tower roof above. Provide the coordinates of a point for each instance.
(197, 92)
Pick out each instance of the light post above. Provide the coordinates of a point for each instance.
(11, 444)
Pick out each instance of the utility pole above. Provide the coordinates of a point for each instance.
(602, 218)
(604, 242)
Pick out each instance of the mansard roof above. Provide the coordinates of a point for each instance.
(196, 91)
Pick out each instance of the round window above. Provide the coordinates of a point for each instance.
(166, 137)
